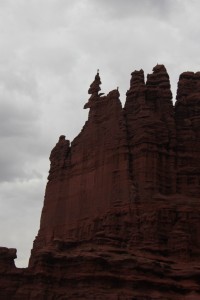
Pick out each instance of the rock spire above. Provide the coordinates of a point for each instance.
(94, 90)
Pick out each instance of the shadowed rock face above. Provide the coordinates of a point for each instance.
(187, 115)
(121, 215)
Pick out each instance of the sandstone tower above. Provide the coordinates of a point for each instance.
(121, 214)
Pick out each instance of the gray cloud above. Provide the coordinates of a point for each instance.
(132, 8)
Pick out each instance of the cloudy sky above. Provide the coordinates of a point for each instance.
(49, 53)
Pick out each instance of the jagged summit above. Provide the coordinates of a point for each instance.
(121, 215)
(95, 96)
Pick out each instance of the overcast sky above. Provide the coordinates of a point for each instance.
(49, 53)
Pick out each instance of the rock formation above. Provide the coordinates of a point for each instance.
(121, 218)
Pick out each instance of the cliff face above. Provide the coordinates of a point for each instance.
(121, 218)
(187, 115)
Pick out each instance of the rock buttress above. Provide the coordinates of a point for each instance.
(151, 133)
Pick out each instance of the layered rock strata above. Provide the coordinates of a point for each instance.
(121, 216)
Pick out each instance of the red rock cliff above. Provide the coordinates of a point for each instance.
(121, 218)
